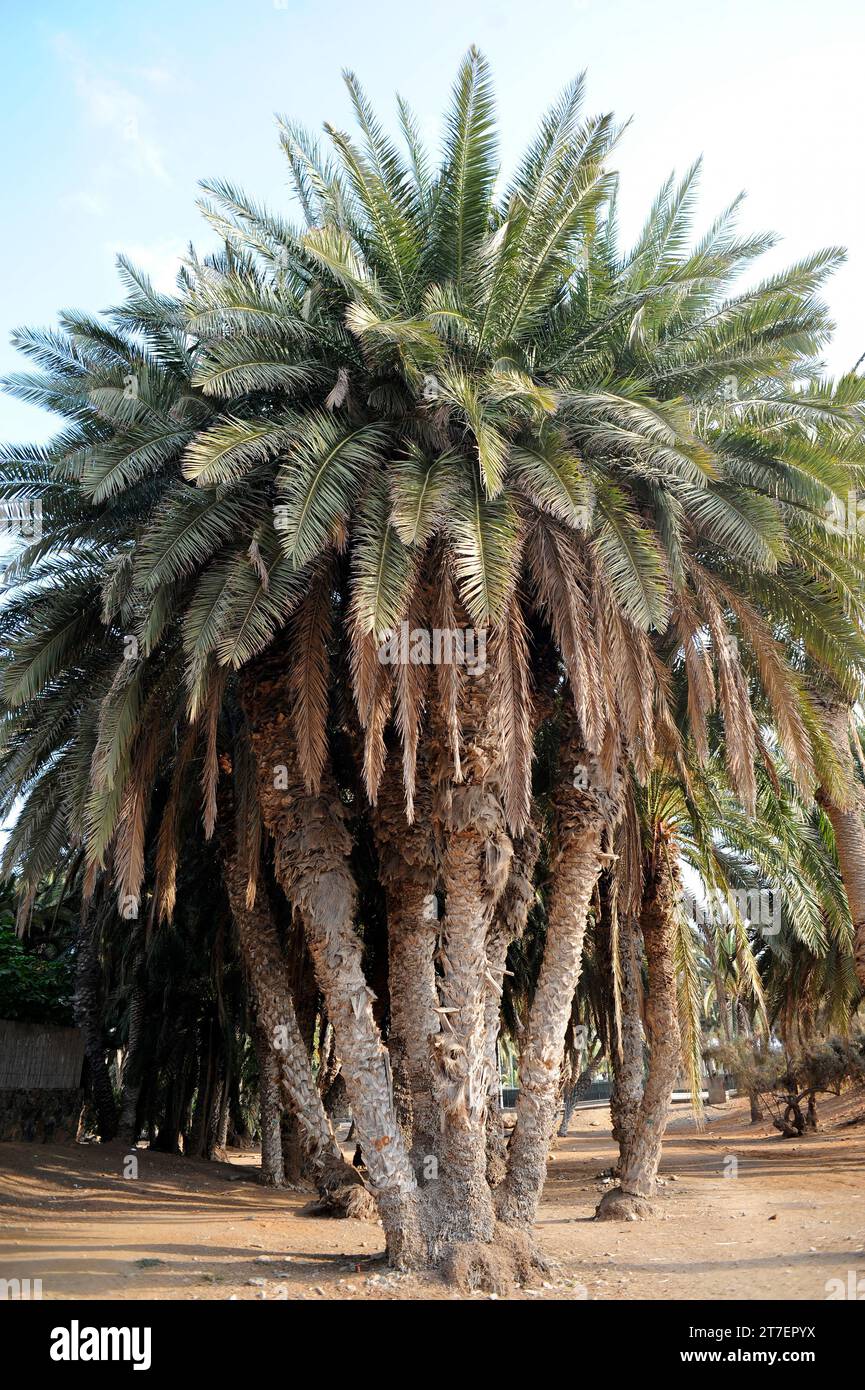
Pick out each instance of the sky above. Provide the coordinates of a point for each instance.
(110, 113)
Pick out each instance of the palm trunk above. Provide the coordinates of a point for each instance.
(173, 1075)
(314, 870)
(225, 1107)
(586, 808)
(328, 1069)
(168, 1138)
(311, 862)
(301, 982)
(131, 1080)
(849, 829)
(272, 1169)
(474, 1249)
(496, 1144)
(576, 874)
(407, 870)
(848, 823)
(215, 1103)
(179, 1118)
(507, 926)
(89, 1019)
(658, 922)
(477, 853)
(293, 1164)
(274, 1007)
(204, 1079)
(462, 1061)
(205, 1119)
(574, 1094)
(627, 1057)
(414, 1021)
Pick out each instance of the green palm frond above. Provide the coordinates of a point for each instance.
(316, 483)
(483, 534)
(382, 567)
(631, 560)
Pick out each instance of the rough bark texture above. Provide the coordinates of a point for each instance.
(131, 1080)
(541, 1054)
(585, 807)
(212, 1103)
(850, 840)
(575, 1093)
(293, 1162)
(328, 1069)
(224, 1112)
(498, 941)
(658, 922)
(507, 926)
(848, 823)
(477, 852)
(311, 852)
(272, 1168)
(181, 1072)
(627, 1059)
(297, 1163)
(462, 1064)
(408, 870)
(88, 1018)
(267, 972)
(196, 1138)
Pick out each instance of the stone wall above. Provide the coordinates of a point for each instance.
(40, 1082)
(40, 1116)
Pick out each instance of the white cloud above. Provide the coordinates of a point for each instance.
(111, 107)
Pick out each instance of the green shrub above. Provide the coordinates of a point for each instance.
(33, 990)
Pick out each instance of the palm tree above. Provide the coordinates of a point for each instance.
(489, 407)
(161, 727)
(698, 822)
(437, 405)
(89, 733)
(845, 807)
(281, 1043)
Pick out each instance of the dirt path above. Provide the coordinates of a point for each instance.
(790, 1216)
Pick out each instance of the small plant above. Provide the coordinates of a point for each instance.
(825, 1066)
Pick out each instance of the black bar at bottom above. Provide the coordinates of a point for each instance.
(63, 1338)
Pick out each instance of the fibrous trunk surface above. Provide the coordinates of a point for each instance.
(272, 1167)
(88, 1018)
(658, 922)
(311, 862)
(267, 971)
(585, 806)
(627, 1090)
(573, 1094)
(507, 926)
(462, 1064)
(130, 1089)
(476, 851)
(848, 823)
(542, 1051)
(408, 870)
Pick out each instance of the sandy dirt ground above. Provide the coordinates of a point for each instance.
(741, 1214)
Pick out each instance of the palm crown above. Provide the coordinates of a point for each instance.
(460, 386)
